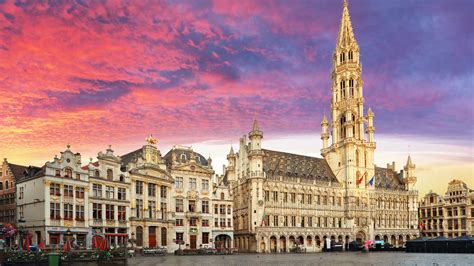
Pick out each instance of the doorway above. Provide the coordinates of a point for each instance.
(192, 240)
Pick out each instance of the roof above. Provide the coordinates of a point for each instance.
(127, 158)
(176, 155)
(388, 179)
(345, 37)
(294, 165)
(17, 170)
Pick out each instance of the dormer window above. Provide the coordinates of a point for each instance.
(97, 173)
(110, 174)
(68, 173)
(183, 158)
(198, 159)
(57, 173)
(122, 178)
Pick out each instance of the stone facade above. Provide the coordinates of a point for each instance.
(449, 216)
(9, 173)
(109, 198)
(284, 201)
(54, 198)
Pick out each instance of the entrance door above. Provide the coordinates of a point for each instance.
(152, 237)
(192, 239)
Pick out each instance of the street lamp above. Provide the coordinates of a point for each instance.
(21, 223)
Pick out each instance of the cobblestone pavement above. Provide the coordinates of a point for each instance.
(349, 258)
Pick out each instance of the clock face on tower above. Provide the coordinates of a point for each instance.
(260, 202)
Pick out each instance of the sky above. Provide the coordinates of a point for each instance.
(94, 73)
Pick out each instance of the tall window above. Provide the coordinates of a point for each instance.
(179, 205)
(109, 192)
(152, 190)
(205, 223)
(285, 197)
(54, 189)
(222, 209)
(96, 173)
(357, 158)
(97, 211)
(68, 211)
(122, 213)
(275, 196)
(179, 222)
(229, 209)
(267, 195)
(121, 193)
(163, 192)
(205, 206)
(163, 210)
(178, 182)
(97, 190)
(55, 211)
(68, 192)
(193, 221)
(192, 183)
(205, 184)
(78, 176)
(109, 212)
(139, 187)
(139, 208)
(293, 197)
(205, 238)
(79, 192)
(293, 220)
(80, 212)
(151, 209)
(275, 220)
(192, 206)
(110, 174)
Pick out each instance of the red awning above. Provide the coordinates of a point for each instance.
(114, 234)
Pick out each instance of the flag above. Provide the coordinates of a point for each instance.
(27, 242)
(264, 219)
(372, 181)
(359, 181)
(41, 244)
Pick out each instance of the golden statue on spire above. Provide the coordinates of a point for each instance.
(151, 140)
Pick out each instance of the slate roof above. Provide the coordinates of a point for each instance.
(188, 154)
(294, 165)
(131, 156)
(388, 179)
(17, 170)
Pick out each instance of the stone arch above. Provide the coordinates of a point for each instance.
(400, 240)
(393, 240)
(377, 237)
(291, 241)
(282, 243)
(385, 238)
(309, 241)
(273, 244)
(361, 236)
(300, 240)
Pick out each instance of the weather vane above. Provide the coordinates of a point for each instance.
(151, 140)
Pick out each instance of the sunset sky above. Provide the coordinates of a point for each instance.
(93, 73)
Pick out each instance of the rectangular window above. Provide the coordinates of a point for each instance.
(205, 206)
(179, 222)
(205, 184)
(122, 193)
(68, 211)
(222, 209)
(79, 192)
(55, 211)
(55, 189)
(109, 212)
(192, 206)
(216, 209)
(97, 211)
(310, 221)
(275, 196)
(178, 182)
(310, 199)
(192, 221)
(179, 205)
(229, 222)
(293, 197)
(152, 190)
(68, 191)
(122, 213)
(325, 200)
(293, 220)
(109, 192)
(78, 176)
(192, 183)
(229, 209)
(97, 190)
(302, 198)
(79, 213)
(285, 197)
(205, 223)
(285, 221)
(139, 208)
(222, 222)
(151, 209)
(205, 238)
(216, 222)
(163, 210)
(163, 192)
(267, 195)
(139, 187)
(179, 238)
(275, 220)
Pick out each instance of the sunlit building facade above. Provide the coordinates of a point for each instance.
(451, 215)
(284, 201)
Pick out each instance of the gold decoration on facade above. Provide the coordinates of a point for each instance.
(151, 140)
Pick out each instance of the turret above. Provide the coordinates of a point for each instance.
(324, 134)
(255, 136)
(370, 126)
(409, 174)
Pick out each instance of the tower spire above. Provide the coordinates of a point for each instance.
(346, 35)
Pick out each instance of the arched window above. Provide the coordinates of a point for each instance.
(163, 237)
(198, 159)
(122, 178)
(110, 174)
(97, 173)
(68, 173)
(350, 55)
(6, 184)
(222, 195)
(183, 158)
(139, 236)
(1, 186)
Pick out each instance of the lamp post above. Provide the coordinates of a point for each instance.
(21, 223)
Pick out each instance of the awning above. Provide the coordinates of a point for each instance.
(116, 234)
(65, 232)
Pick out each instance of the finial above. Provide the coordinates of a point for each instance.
(255, 125)
(151, 140)
(231, 150)
(345, 3)
(68, 146)
(110, 147)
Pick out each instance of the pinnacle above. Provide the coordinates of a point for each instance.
(255, 125)
(346, 34)
(231, 150)
(409, 162)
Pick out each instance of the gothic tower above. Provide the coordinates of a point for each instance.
(350, 155)
(255, 159)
